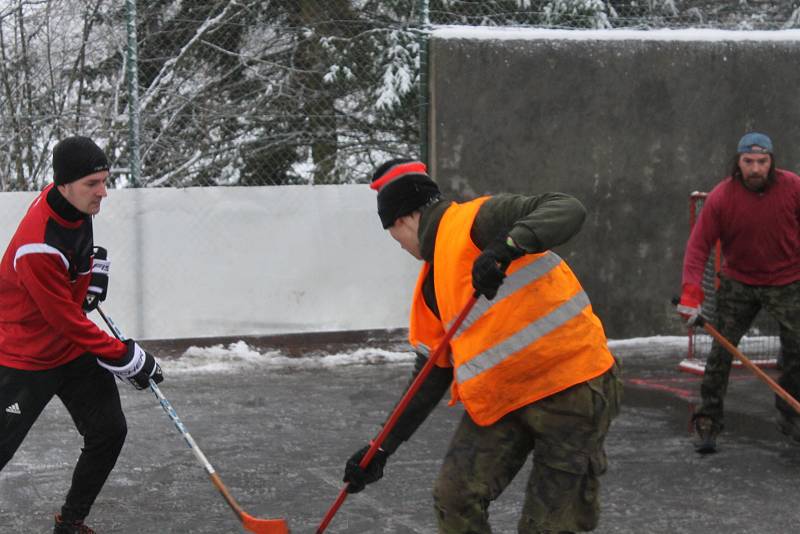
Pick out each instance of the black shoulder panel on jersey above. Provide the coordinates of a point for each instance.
(74, 243)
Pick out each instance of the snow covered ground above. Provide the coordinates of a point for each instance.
(278, 417)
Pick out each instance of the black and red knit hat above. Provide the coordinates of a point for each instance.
(403, 186)
(76, 157)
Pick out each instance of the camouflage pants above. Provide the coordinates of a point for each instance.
(565, 432)
(737, 306)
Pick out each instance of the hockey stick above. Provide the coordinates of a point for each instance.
(782, 393)
(399, 409)
(250, 523)
(774, 386)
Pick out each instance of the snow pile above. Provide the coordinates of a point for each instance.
(643, 342)
(240, 356)
(653, 346)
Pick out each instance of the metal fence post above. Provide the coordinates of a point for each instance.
(424, 21)
(132, 69)
(134, 164)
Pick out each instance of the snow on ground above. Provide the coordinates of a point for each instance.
(240, 356)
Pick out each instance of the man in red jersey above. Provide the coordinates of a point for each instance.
(755, 214)
(50, 276)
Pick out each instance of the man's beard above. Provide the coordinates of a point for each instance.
(760, 185)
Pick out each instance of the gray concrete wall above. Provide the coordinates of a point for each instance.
(629, 122)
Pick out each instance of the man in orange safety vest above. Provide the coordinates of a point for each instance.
(530, 363)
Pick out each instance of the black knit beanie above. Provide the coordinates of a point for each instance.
(403, 186)
(76, 157)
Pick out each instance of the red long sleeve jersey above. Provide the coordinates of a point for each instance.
(759, 232)
(44, 276)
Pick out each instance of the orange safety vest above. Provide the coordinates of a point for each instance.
(537, 337)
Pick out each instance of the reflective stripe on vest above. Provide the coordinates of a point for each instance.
(514, 282)
(539, 328)
(537, 337)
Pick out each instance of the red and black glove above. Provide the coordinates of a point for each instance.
(689, 306)
(98, 283)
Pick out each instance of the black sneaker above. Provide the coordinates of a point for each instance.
(789, 425)
(707, 431)
(71, 527)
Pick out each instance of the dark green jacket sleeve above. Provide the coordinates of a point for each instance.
(421, 405)
(535, 223)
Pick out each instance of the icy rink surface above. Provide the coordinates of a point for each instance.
(278, 420)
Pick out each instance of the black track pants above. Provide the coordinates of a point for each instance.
(90, 395)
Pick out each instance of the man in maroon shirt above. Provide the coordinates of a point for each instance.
(755, 215)
(50, 275)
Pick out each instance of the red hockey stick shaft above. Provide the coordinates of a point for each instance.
(400, 408)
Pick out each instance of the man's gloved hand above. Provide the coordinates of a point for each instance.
(98, 283)
(489, 269)
(136, 366)
(359, 478)
(690, 304)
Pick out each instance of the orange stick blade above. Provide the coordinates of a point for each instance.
(264, 526)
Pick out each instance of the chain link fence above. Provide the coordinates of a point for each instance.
(255, 92)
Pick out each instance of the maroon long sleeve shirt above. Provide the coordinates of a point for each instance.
(759, 232)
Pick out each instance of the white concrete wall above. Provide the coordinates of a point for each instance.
(209, 261)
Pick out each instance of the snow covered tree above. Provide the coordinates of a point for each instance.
(277, 92)
(579, 13)
(252, 92)
(55, 81)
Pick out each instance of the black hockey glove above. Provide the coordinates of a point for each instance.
(359, 478)
(136, 366)
(98, 283)
(489, 269)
